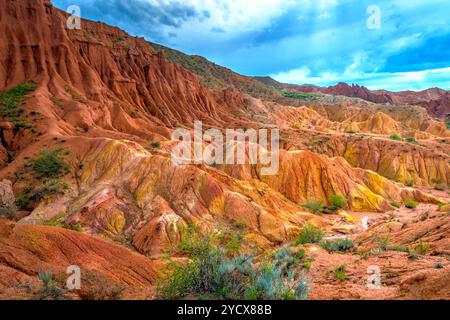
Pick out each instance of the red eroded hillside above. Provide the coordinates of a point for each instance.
(87, 176)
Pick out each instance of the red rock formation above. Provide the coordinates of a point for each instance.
(435, 101)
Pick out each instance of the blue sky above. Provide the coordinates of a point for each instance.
(319, 42)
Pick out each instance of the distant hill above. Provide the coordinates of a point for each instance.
(215, 76)
(435, 100)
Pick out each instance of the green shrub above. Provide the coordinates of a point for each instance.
(49, 290)
(398, 248)
(300, 254)
(409, 203)
(307, 264)
(411, 140)
(233, 244)
(440, 187)
(309, 234)
(54, 186)
(155, 144)
(338, 200)
(212, 273)
(409, 182)
(412, 254)
(438, 265)
(50, 163)
(10, 102)
(9, 212)
(395, 137)
(315, 206)
(240, 225)
(13, 97)
(424, 216)
(395, 204)
(422, 248)
(383, 241)
(97, 287)
(339, 273)
(59, 222)
(337, 245)
(22, 201)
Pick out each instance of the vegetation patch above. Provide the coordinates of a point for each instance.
(50, 163)
(315, 206)
(304, 96)
(337, 245)
(59, 222)
(49, 290)
(11, 101)
(212, 273)
(411, 140)
(337, 201)
(339, 273)
(155, 144)
(395, 204)
(422, 248)
(309, 234)
(410, 203)
(395, 137)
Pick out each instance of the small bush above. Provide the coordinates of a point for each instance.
(412, 254)
(300, 254)
(337, 245)
(424, 216)
(59, 222)
(22, 201)
(398, 248)
(438, 265)
(13, 97)
(96, 287)
(49, 290)
(411, 140)
(9, 212)
(211, 272)
(315, 206)
(440, 187)
(422, 248)
(339, 273)
(307, 264)
(233, 245)
(383, 242)
(409, 182)
(50, 163)
(338, 200)
(395, 204)
(155, 144)
(309, 234)
(395, 137)
(410, 204)
(332, 208)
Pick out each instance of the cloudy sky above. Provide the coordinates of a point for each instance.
(319, 42)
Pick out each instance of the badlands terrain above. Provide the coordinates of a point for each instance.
(86, 175)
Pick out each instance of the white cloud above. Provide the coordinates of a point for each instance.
(230, 16)
(395, 81)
